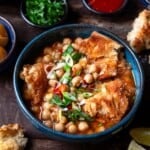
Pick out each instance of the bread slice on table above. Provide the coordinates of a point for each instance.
(12, 137)
(139, 36)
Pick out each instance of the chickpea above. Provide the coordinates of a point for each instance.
(46, 114)
(59, 127)
(75, 46)
(48, 96)
(95, 75)
(63, 119)
(48, 123)
(35, 109)
(83, 126)
(72, 128)
(59, 73)
(59, 45)
(76, 69)
(47, 58)
(78, 40)
(65, 47)
(67, 41)
(72, 89)
(47, 50)
(100, 128)
(92, 68)
(47, 105)
(83, 62)
(52, 83)
(57, 55)
(76, 81)
(88, 78)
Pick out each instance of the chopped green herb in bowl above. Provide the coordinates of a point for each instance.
(44, 13)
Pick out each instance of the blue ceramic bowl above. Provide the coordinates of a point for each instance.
(118, 10)
(27, 20)
(10, 46)
(58, 33)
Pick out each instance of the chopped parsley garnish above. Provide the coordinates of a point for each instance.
(44, 12)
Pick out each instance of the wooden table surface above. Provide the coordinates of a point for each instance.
(9, 110)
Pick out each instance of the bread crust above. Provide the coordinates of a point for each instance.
(12, 137)
(139, 36)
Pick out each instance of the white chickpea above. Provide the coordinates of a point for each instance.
(57, 56)
(83, 126)
(76, 81)
(72, 128)
(75, 46)
(92, 68)
(65, 47)
(88, 78)
(46, 114)
(35, 109)
(63, 119)
(76, 69)
(52, 83)
(47, 58)
(72, 89)
(47, 50)
(59, 127)
(95, 75)
(67, 41)
(59, 73)
(83, 62)
(48, 123)
(59, 45)
(48, 96)
(47, 105)
(78, 40)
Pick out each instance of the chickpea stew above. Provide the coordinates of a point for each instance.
(79, 86)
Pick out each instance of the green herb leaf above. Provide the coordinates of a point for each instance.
(60, 102)
(77, 114)
(87, 94)
(69, 96)
(76, 56)
(57, 100)
(66, 78)
(69, 60)
(69, 50)
(44, 12)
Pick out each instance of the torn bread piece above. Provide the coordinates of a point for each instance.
(98, 46)
(103, 51)
(12, 137)
(139, 36)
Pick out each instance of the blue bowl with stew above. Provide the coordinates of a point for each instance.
(66, 95)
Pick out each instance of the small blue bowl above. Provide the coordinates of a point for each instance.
(10, 46)
(27, 20)
(74, 30)
(118, 10)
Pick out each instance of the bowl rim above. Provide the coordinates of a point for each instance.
(78, 138)
(85, 3)
(25, 18)
(11, 30)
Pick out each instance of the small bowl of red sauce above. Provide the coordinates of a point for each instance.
(105, 7)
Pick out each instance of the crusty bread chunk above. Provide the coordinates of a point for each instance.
(12, 137)
(103, 51)
(139, 36)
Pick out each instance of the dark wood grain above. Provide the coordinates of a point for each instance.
(9, 110)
